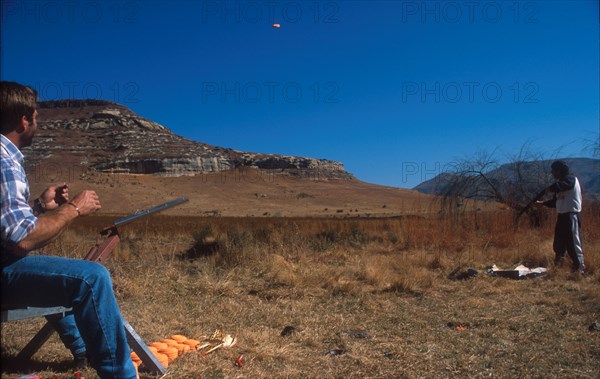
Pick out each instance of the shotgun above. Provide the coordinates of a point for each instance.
(109, 236)
(530, 204)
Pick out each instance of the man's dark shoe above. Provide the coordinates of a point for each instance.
(80, 361)
(558, 262)
(579, 269)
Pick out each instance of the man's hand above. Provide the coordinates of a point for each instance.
(87, 202)
(54, 196)
(51, 225)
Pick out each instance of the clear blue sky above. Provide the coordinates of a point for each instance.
(390, 88)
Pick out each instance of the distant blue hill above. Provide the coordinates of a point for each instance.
(526, 178)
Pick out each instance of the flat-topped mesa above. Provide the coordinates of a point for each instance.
(77, 103)
(109, 137)
(91, 113)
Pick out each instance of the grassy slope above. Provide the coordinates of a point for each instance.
(247, 193)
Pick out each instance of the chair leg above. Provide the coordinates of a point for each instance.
(36, 342)
(141, 349)
(135, 342)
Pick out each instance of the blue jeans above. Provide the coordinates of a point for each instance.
(47, 281)
(68, 333)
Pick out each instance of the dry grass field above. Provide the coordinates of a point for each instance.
(376, 288)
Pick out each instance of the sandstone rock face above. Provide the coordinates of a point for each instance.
(108, 137)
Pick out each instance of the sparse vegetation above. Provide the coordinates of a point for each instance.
(304, 195)
(324, 276)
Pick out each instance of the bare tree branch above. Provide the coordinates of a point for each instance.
(481, 177)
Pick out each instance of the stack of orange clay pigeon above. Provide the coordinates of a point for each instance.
(170, 349)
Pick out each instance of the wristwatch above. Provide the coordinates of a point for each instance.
(38, 208)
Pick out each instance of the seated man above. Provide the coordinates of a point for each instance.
(46, 281)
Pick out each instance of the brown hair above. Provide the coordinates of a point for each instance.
(16, 101)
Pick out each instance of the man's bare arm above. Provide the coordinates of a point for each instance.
(51, 225)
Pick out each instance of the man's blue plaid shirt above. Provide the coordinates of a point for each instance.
(18, 219)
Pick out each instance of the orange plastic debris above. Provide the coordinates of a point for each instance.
(276, 26)
(461, 328)
(240, 361)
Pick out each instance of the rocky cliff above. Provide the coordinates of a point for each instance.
(108, 137)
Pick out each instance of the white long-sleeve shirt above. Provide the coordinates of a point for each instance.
(567, 196)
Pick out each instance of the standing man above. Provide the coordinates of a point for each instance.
(42, 280)
(567, 201)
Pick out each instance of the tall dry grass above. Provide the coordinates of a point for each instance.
(472, 230)
(253, 276)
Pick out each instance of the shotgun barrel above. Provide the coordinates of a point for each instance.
(111, 238)
(536, 198)
(147, 212)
